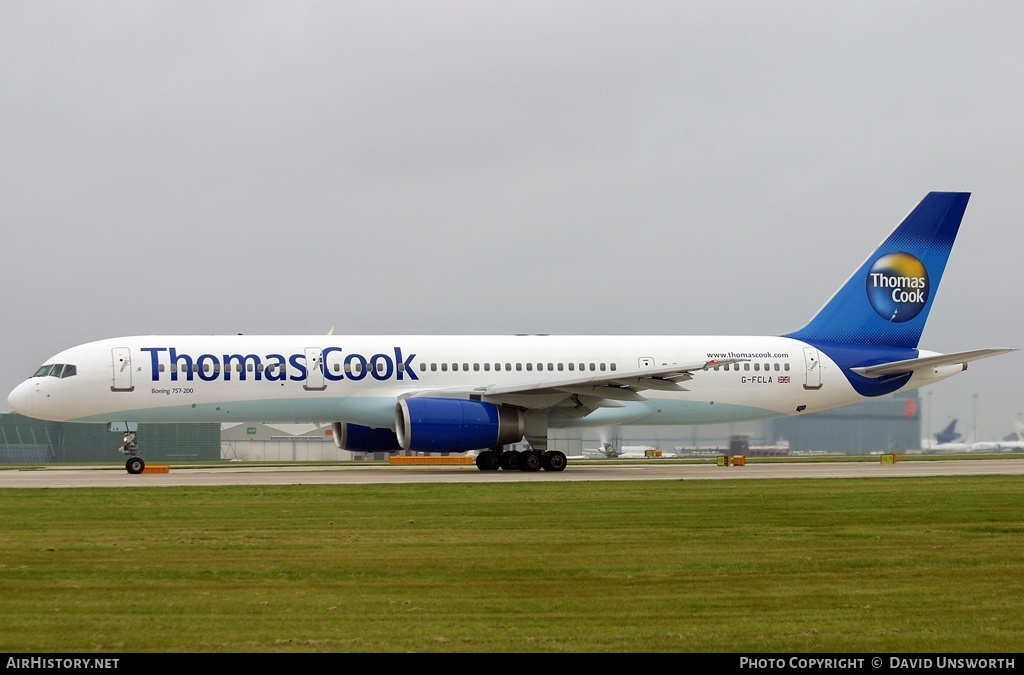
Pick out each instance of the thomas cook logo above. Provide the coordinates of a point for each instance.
(897, 286)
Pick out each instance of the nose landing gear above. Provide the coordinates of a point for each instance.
(134, 465)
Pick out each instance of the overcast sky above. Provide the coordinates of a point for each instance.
(503, 167)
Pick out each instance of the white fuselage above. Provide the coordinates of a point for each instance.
(358, 379)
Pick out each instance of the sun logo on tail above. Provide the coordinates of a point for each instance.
(897, 287)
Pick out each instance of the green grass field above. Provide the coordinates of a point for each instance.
(861, 565)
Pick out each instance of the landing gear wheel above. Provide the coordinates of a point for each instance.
(554, 460)
(135, 465)
(530, 460)
(510, 460)
(488, 460)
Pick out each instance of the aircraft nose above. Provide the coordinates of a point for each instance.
(20, 399)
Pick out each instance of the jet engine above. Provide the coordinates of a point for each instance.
(455, 425)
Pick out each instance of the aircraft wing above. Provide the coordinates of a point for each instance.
(579, 396)
(909, 365)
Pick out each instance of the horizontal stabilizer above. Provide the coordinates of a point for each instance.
(909, 365)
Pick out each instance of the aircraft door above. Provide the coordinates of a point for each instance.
(812, 364)
(646, 362)
(315, 380)
(121, 358)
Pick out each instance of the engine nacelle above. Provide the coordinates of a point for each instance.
(356, 438)
(455, 425)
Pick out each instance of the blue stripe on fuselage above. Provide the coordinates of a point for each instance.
(848, 356)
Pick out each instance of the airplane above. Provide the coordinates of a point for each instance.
(1004, 445)
(446, 393)
(947, 435)
(638, 451)
(606, 450)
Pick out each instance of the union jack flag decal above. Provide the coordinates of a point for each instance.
(784, 379)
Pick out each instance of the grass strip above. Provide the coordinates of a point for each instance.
(836, 565)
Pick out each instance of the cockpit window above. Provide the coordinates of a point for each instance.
(60, 370)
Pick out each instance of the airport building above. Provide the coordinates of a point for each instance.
(888, 424)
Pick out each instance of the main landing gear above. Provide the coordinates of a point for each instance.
(134, 464)
(527, 460)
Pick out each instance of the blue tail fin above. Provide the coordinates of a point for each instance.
(887, 300)
(947, 435)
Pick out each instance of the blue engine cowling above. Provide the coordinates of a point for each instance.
(455, 425)
(356, 438)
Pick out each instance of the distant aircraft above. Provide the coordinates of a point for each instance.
(947, 435)
(1011, 442)
(636, 451)
(456, 394)
(606, 450)
(1004, 445)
